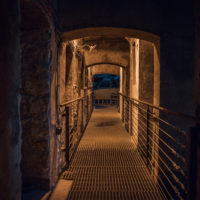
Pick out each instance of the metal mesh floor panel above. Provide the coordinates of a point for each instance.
(106, 165)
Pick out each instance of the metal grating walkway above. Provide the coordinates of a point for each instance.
(106, 166)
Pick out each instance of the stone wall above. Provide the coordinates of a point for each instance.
(36, 67)
(70, 75)
(38, 52)
(10, 128)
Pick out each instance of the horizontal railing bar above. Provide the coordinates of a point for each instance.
(173, 174)
(170, 125)
(164, 152)
(180, 183)
(175, 178)
(71, 101)
(161, 120)
(167, 134)
(158, 177)
(170, 148)
(166, 155)
(169, 181)
(177, 114)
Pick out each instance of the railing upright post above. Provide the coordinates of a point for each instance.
(133, 120)
(130, 118)
(82, 115)
(193, 162)
(84, 111)
(92, 96)
(87, 108)
(67, 134)
(147, 139)
(122, 109)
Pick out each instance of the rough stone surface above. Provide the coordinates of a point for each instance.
(10, 129)
(107, 50)
(146, 71)
(36, 67)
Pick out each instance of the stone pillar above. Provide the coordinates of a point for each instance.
(146, 93)
(134, 86)
(132, 80)
(132, 74)
(10, 128)
(74, 67)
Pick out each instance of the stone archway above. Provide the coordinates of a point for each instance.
(128, 33)
(144, 64)
(105, 69)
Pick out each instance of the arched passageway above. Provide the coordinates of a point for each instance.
(138, 104)
(138, 66)
(64, 104)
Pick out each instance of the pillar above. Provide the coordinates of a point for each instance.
(148, 91)
(134, 87)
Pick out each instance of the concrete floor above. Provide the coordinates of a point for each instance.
(106, 165)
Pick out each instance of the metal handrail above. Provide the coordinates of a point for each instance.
(177, 114)
(73, 100)
(74, 129)
(164, 144)
(70, 101)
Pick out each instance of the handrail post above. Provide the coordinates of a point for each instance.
(82, 116)
(122, 109)
(87, 108)
(147, 139)
(194, 136)
(67, 134)
(130, 118)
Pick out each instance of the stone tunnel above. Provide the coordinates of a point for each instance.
(135, 136)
